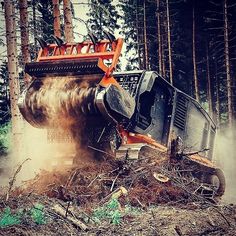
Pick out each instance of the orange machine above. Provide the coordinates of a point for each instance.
(132, 109)
(93, 56)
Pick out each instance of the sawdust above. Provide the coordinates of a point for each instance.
(60, 104)
(58, 101)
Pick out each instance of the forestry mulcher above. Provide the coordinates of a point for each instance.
(128, 111)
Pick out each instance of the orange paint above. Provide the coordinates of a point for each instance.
(103, 50)
(129, 138)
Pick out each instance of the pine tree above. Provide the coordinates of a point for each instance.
(103, 15)
(46, 19)
(222, 33)
(13, 72)
(227, 64)
(209, 83)
(130, 32)
(24, 29)
(4, 94)
(56, 16)
(195, 78)
(145, 39)
(159, 34)
(169, 41)
(68, 26)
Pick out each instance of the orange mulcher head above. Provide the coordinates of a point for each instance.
(85, 58)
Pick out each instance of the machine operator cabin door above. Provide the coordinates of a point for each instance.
(154, 112)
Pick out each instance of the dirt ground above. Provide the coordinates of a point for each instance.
(115, 198)
(165, 219)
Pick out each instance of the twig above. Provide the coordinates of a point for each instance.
(153, 215)
(100, 175)
(222, 216)
(67, 208)
(93, 181)
(113, 183)
(208, 231)
(13, 179)
(139, 202)
(70, 179)
(105, 198)
(178, 230)
(197, 152)
(99, 150)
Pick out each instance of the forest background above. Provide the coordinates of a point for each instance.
(192, 44)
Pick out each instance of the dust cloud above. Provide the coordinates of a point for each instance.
(56, 107)
(58, 101)
(225, 156)
(45, 150)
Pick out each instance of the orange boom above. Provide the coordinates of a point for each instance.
(88, 57)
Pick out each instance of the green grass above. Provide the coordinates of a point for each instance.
(36, 213)
(5, 138)
(112, 212)
(7, 218)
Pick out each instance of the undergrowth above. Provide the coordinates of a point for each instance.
(113, 212)
(7, 218)
(5, 138)
(37, 214)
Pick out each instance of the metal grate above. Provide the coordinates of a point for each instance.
(129, 83)
(181, 112)
(77, 67)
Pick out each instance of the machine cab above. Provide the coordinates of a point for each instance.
(163, 111)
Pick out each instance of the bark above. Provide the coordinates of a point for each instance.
(163, 58)
(159, 38)
(209, 90)
(137, 32)
(169, 41)
(227, 64)
(145, 35)
(194, 61)
(217, 98)
(24, 30)
(56, 16)
(34, 26)
(69, 36)
(13, 72)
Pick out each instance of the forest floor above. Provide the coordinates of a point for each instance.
(139, 197)
(164, 219)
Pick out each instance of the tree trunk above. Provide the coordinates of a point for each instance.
(209, 91)
(137, 32)
(69, 36)
(13, 73)
(145, 35)
(227, 64)
(163, 58)
(194, 61)
(169, 41)
(34, 27)
(24, 30)
(159, 38)
(56, 16)
(217, 97)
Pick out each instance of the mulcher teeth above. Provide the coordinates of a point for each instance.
(54, 68)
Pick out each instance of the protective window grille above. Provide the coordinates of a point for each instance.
(181, 112)
(129, 83)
